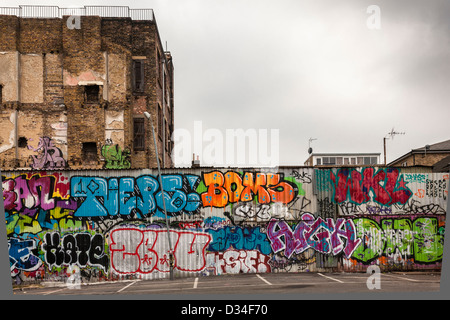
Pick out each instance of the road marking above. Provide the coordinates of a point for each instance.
(329, 277)
(127, 286)
(47, 293)
(390, 275)
(195, 283)
(264, 280)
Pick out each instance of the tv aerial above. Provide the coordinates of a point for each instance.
(310, 150)
(393, 133)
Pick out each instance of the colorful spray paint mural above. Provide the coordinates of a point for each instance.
(222, 221)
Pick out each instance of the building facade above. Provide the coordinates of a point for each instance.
(74, 88)
(436, 156)
(342, 159)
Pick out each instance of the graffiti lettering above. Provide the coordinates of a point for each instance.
(422, 239)
(416, 177)
(232, 187)
(387, 186)
(239, 238)
(145, 251)
(238, 261)
(325, 236)
(81, 249)
(28, 195)
(135, 197)
(436, 188)
(303, 177)
(22, 255)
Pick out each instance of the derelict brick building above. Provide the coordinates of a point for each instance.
(74, 84)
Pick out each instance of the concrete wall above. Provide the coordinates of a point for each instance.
(110, 224)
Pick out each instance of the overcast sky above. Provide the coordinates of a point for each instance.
(310, 69)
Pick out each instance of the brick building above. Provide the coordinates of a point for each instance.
(73, 89)
(435, 156)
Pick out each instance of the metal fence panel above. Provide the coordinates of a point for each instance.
(223, 221)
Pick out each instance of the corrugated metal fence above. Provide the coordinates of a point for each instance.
(110, 224)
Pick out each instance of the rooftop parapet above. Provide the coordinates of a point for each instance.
(28, 11)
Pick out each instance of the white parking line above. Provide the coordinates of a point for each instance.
(127, 286)
(407, 279)
(264, 280)
(47, 293)
(195, 283)
(329, 277)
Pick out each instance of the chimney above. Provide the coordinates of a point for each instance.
(195, 163)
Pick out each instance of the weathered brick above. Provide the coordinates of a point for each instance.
(50, 94)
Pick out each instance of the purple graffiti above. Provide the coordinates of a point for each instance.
(29, 195)
(51, 157)
(323, 235)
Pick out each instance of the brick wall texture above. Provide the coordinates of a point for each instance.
(68, 94)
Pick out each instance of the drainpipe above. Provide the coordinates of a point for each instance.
(164, 113)
(171, 257)
(16, 113)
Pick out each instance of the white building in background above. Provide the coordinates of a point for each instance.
(343, 159)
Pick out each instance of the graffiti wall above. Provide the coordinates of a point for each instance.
(222, 221)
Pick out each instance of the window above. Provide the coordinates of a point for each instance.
(89, 151)
(346, 161)
(23, 142)
(139, 134)
(138, 76)
(167, 133)
(160, 121)
(1, 93)
(319, 161)
(329, 160)
(92, 93)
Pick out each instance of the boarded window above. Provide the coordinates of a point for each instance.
(92, 94)
(138, 76)
(139, 134)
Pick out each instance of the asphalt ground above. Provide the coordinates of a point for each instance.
(268, 285)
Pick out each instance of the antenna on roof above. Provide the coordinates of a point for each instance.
(310, 150)
(391, 134)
